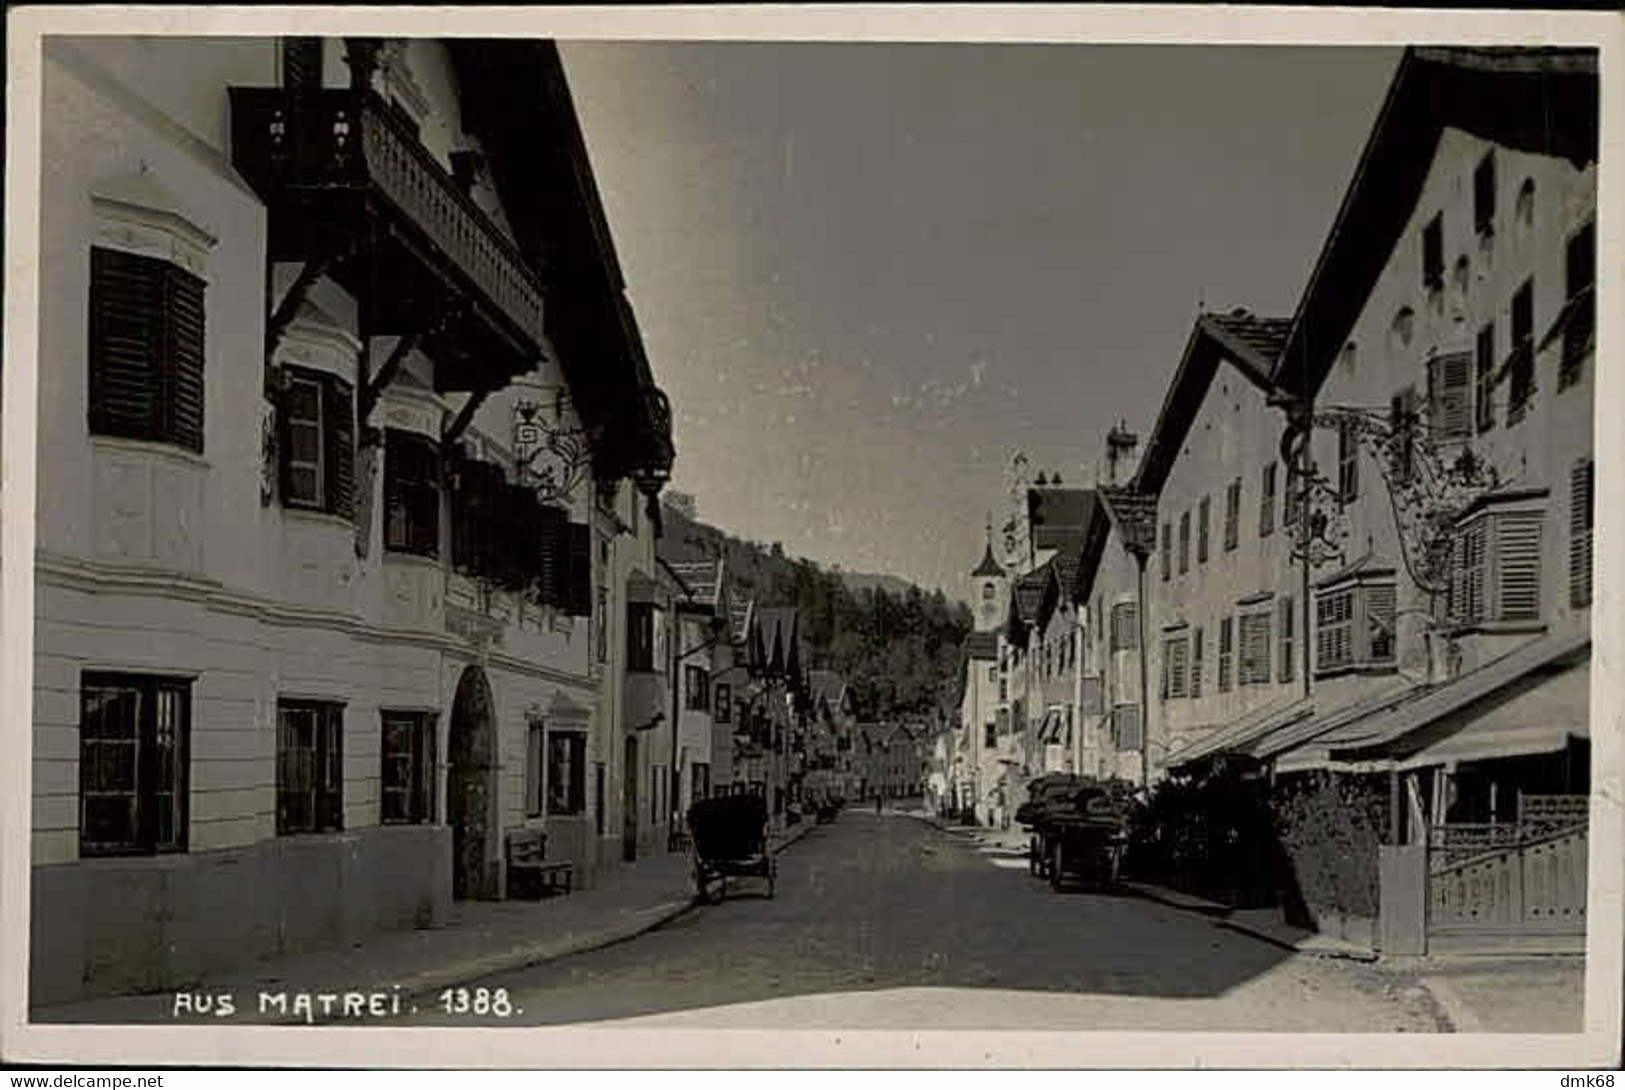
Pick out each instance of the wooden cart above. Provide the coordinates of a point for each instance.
(729, 840)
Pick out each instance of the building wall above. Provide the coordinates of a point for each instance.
(1116, 583)
(1234, 437)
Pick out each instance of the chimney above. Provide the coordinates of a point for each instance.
(1120, 444)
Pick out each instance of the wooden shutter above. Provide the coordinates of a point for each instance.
(1288, 643)
(338, 413)
(1450, 396)
(182, 365)
(551, 554)
(126, 333)
(1126, 726)
(1226, 652)
(1232, 515)
(1467, 574)
(1198, 638)
(1517, 565)
(579, 565)
(1380, 607)
(1255, 648)
(1581, 512)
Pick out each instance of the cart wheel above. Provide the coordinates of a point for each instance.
(1056, 866)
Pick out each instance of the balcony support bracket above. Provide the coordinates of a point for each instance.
(465, 416)
(313, 270)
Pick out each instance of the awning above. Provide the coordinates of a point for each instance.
(1540, 718)
(1446, 710)
(1299, 746)
(1233, 736)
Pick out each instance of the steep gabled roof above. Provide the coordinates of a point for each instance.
(1542, 101)
(988, 568)
(1058, 516)
(1249, 343)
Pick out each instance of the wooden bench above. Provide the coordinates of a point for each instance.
(529, 874)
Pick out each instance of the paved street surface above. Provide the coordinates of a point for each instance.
(886, 922)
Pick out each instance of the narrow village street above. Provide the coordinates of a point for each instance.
(892, 923)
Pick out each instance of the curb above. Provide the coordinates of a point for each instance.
(1348, 953)
(1174, 899)
(1449, 1004)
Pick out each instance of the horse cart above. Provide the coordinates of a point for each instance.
(1078, 827)
(729, 840)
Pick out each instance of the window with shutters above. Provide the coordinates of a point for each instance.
(1232, 515)
(1520, 366)
(1126, 728)
(134, 737)
(990, 735)
(1204, 511)
(309, 767)
(146, 350)
(1175, 667)
(1125, 626)
(1226, 651)
(1166, 555)
(1433, 254)
(1484, 195)
(1354, 627)
(1402, 435)
(407, 779)
(1450, 397)
(1582, 510)
(1197, 640)
(411, 493)
(601, 622)
(1291, 497)
(302, 64)
(641, 622)
(1579, 317)
(1254, 668)
(1495, 577)
(1266, 502)
(480, 501)
(1288, 625)
(1484, 377)
(1092, 700)
(1184, 542)
(696, 688)
(1348, 462)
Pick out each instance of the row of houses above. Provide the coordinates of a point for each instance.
(1344, 584)
(349, 569)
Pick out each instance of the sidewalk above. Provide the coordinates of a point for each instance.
(480, 938)
(1504, 993)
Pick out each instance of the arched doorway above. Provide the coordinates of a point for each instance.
(629, 802)
(471, 794)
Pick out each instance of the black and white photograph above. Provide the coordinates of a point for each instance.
(1059, 528)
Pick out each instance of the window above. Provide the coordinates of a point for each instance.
(696, 688)
(1433, 254)
(1496, 573)
(411, 493)
(1484, 195)
(1126, 733)
(1580, 312)
(1197, 640)
(1354, 627)
(317, 442)
(1291, 497)
(1484, 377)
(1266, 504)
(641, 622)
(1184, 543)
(309, 767)
(601, 619)
(1092, 699)
(302, 64)
(146, 350)
(1582, 511)
(1288, 645)
(1175, 667)
(1167, 551)
(1226, 651)
(1521, 366)
(1125, 626)
(988, 591)
(1348, 462)
(992, 674)
(600, 777)
(567, 772)
(699, 781)
(990, 735)
(535, 747)
(1402, 435)
(1255, 649)
(1203, 513)
(1450, 396)
(406, 793)
(1232, 515)
(722, 712)
(134, 735)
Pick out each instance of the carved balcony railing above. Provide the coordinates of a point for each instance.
(330, 156)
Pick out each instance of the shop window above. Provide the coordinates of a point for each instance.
(134, 736)
(407, 780)
(309, 767)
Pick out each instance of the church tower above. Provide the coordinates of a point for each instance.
(991, 588)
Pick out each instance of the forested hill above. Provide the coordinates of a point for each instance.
(898, 648)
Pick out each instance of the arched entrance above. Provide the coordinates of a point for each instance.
(471, 789)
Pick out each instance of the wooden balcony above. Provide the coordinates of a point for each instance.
(348, 182)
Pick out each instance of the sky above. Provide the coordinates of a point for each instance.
(867, 274)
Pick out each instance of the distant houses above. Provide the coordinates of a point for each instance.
(1335, 609)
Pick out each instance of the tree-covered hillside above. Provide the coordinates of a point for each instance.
(898, 651)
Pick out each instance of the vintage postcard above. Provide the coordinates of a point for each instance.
(812, 536)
